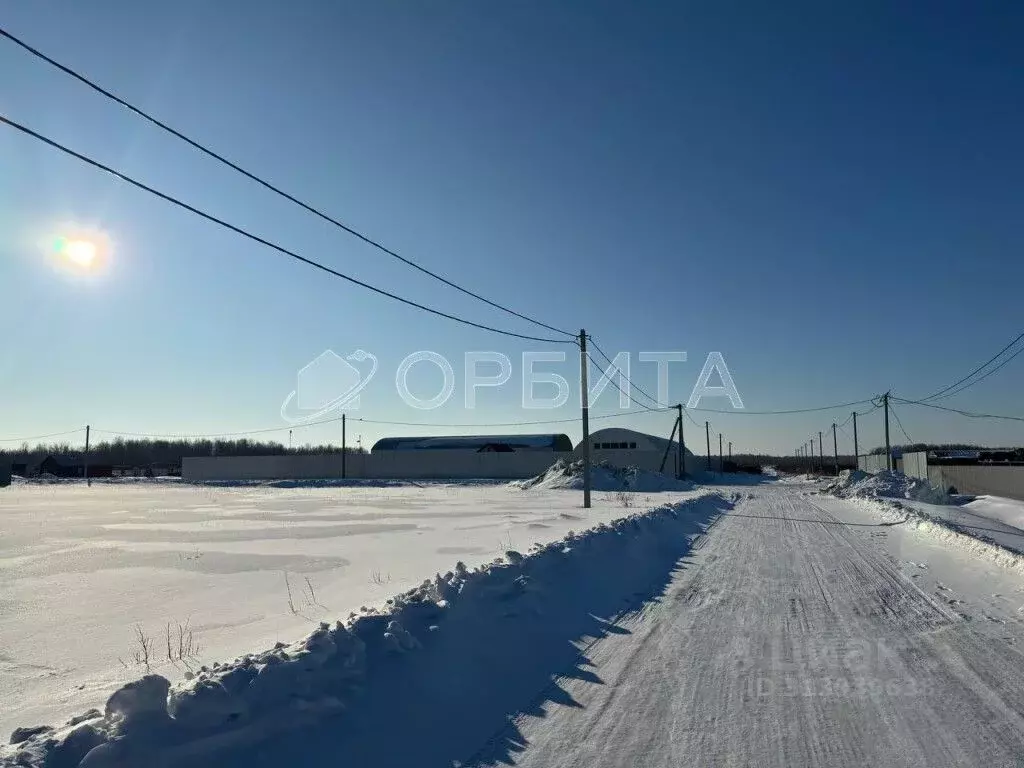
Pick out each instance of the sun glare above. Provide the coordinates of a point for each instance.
(81, 252)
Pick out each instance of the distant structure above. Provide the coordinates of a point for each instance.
(480, 443)
(627, 447)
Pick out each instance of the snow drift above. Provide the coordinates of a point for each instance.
(885, 484)
(603, 477)
(499, 633)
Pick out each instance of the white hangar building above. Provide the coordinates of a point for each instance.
(629, 448)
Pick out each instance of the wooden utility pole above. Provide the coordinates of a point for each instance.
(585, 401)
(668, 447)
(730, 450)
(835, 447)
(344, 449)
(85, 458)
(721, 462)
(681, 473)
(856, 450)
(821, 452)
(888, 448)
(707, 435)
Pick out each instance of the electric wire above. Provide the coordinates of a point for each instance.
(268, 243)
(972, 373)
(266, 184)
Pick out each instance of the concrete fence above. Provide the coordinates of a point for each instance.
(974, 479)
(916, 465)
(871, 463)
(402, 465)
(979, 479)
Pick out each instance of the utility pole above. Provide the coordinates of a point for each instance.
(681, 473)
(888, 448)
(344, 450)
(821, 452)
(835, 447)
(707, 435)
(856, 451)
(289, 439)
(730, 450)
(721, 463)
(668, 447)
(811, 441)
(85, 458)
(585, 401)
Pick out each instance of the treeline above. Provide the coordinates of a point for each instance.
(914, 447)
(793, 463)
(144, 452)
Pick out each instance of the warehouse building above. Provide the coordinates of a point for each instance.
(448, 457)
(479, 443)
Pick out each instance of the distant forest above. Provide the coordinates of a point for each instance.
(142, 453)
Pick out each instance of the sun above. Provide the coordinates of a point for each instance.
(81, 252)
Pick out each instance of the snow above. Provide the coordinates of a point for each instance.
(885, 484)
(514, 605)
(989, 526)
(603, 477)
(246, 566)
(753, 624)
(1007, 511)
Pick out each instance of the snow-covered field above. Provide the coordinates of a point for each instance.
(760, 624)
(83, 570)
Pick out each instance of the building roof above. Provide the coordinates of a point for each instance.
(550, 442)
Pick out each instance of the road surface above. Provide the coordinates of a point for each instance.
(795, 636)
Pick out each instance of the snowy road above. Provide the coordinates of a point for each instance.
(794, 638)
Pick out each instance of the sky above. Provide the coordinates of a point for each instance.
(827, 194)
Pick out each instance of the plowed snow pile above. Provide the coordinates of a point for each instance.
(514, 620)
(603, 477)
(884, 485)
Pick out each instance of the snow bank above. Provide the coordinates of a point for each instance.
(603, 477)
(228, 706)
(885, 484)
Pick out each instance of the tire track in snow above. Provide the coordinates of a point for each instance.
(791, 640)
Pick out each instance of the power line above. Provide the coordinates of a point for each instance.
(900, 424)
(266, 184)
(41, 437)
(968, 414)
(976, 370)
(351, 419)
(268, 243)
(632, 385)
(745, 412)
(980, 378)
(686, 412)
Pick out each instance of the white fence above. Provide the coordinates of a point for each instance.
(438, 465)
(871, 463)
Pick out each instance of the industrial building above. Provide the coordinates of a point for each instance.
(480, 443)
(448, 457)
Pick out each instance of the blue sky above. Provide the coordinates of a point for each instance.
(830, 196)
